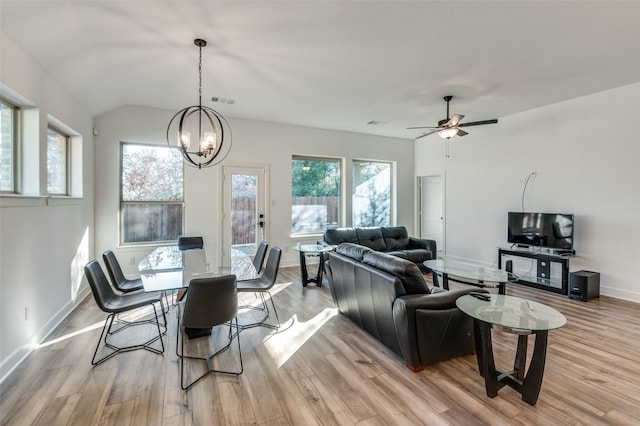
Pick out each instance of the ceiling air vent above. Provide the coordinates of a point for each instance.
(223, 100)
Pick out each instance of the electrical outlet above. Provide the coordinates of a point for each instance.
(132, 260)
(26, 313)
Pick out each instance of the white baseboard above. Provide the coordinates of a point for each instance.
(16, 357)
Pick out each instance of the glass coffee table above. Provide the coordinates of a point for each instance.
(519, 316)
(314, 250)
(468, 273)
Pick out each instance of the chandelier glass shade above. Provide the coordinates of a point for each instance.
(202, 134)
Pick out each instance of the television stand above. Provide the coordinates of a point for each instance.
(551, 271)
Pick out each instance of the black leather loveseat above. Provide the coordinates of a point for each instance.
(392, 240)
(388, 297)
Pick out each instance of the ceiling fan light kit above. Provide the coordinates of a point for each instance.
(451, 126)
(448, 133)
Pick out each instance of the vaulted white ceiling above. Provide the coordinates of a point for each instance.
(331, 64)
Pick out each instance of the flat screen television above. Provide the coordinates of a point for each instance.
(553, 230)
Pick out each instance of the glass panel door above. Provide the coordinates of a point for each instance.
(245, 212)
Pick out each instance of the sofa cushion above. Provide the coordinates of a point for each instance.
(371, 237)
(418, 255)
(395, 237)
(340, 235)
(398, 253)
(405, 270)
(354, 251)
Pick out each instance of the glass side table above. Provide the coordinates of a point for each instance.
(312, 250)
(519, 316)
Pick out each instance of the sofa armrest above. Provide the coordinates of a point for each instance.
(438, 300)
(406, 310)
(421, 243)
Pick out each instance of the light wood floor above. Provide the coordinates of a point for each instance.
(322, 369)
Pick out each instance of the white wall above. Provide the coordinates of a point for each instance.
(254, 142)
(45, 242)
(585, 152)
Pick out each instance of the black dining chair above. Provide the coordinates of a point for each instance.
(210, 302)
(261, 252)
(189, 243)
(262, 285)
(114, 304)
(119, 281)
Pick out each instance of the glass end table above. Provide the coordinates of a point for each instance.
(314, 250)
(519, 316)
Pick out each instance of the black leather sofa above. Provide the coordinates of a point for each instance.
(392, 240)
(388, 297)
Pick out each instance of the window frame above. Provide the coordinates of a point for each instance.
(15, 146)
(122, 202)
(392, 189)
(341, 191)
(67, 161)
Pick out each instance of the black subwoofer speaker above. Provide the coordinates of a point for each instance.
(584, 285)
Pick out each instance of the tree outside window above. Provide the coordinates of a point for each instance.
(371, 199)
(152, 200)
(57, 162)
(315, 194)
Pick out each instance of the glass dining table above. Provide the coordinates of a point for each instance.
(168, 268)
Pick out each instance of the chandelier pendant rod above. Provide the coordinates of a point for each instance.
(200, 135)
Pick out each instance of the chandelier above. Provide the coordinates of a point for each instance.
(203, 135)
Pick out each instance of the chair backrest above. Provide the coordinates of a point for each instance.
(261, 252)
(113, 268)
(102, 291)
(210, 301)
(273, 263)
(188, 243)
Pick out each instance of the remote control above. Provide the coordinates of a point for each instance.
(481, 296)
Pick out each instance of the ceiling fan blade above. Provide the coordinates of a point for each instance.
(453, 121)
(423, 127)
(428, 133)
(462, 133)
(478, 123)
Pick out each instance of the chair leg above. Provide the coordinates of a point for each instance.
(275, 311)
(210, 369)
(265, 309)
(106, 332)
(127, 324)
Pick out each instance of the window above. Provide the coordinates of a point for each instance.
(315, 197)
(8, 146)
(371, 199)
(151, 200)
(57, 162)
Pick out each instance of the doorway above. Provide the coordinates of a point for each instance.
(244, 222)
(432, 209)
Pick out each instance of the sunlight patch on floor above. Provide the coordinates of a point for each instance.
(130, 316)
(283, 344)
(70, 335)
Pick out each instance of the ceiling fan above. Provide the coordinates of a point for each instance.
(450, 127)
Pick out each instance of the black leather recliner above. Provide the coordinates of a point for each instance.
(388, 297)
